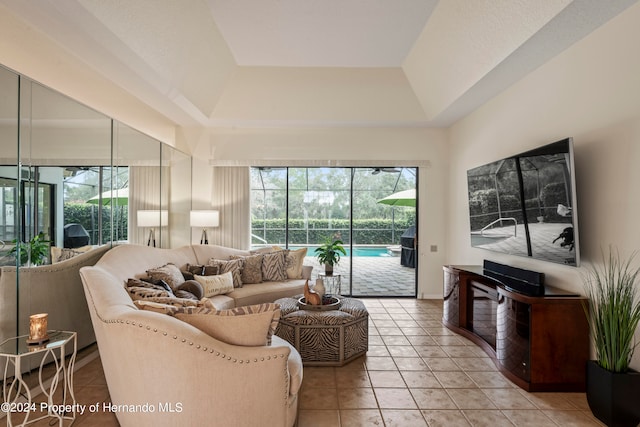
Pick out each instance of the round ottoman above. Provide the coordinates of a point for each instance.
(325, 338)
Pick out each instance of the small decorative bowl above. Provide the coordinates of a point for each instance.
(329, 302)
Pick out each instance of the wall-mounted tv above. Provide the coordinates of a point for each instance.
(526, 204)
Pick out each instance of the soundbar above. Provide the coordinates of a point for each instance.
(526, 282)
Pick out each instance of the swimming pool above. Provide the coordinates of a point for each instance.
(373, 251)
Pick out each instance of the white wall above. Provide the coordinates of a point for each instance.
(590, 92)
(340, 146)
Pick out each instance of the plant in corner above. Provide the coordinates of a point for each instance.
(613, 313)
(34, 252)
(329, 254)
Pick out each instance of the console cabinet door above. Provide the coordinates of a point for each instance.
(513, 336)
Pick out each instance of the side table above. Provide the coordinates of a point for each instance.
(332, 283)
(14, 386)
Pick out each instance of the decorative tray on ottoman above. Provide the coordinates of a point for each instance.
(329, 302)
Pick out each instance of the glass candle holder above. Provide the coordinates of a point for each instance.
(38, 328)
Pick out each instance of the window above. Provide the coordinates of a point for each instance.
(303, 207)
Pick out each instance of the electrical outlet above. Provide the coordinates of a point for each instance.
(434, 248)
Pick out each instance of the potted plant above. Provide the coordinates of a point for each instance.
(613, 311)
(329, 254)
(34, 253)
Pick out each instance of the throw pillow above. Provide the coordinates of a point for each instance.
(252, 270)
(234, 266)
(61, 254)
(265, 250)
(171, 305)
(273, 266)
(181, 293)
(148, 283)
(252, 325)
(294, 262)
(138, 292)
(192, 287)
(216, 285)
(169, 273)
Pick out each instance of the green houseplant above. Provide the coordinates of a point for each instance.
(35, 251)
(329, 254)
(613, 312)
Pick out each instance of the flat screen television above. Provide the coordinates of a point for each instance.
(526, 204)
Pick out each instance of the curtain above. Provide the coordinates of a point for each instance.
(231, 196)
(148, 189)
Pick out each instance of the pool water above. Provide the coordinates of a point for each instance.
(357, 251)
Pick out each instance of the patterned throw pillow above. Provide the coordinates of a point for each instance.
(62, 254)
(252, 270)
(274, 267)
(169, 273)
(199, 269)
(234, 266)
(216, 285)
(138, 292)
(251, 325)
(171, 306)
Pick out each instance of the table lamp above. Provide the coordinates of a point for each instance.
(204, 219)
(152, 219)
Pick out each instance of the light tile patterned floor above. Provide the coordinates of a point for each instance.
(416, 373)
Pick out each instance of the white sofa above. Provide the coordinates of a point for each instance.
(156, 359)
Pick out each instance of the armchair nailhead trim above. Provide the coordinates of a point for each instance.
(191, 343)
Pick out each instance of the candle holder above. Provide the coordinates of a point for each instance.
(38, 329)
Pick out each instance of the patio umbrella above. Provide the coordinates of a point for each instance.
(401, 198)
(119, 196)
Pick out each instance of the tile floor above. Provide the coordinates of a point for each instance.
(416, 373)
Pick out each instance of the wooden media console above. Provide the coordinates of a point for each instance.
(541, 343)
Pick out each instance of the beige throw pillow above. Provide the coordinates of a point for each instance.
(294, 262)
(169, 273)
(234, 266)
(215, 285)
(251, 325)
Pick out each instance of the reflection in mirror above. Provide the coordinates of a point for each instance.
(8, 164)
(72, 179)
(138, 156)
(55, 169)
(178, 202)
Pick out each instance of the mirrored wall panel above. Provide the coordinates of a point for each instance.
(73, 183)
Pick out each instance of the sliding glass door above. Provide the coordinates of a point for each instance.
(305, 207)
(377, 228)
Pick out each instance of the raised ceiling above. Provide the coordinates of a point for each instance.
(312, 63)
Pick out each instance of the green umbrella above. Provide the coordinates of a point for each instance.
(401, 198)
(119, 196)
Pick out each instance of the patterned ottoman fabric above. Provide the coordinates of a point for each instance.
(325, 338)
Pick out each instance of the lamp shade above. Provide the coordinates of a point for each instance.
(153, 218)
(204, 218)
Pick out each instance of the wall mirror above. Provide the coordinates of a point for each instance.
(77, 179)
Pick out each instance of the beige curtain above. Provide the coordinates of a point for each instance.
(231, 196)
(148, 189)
